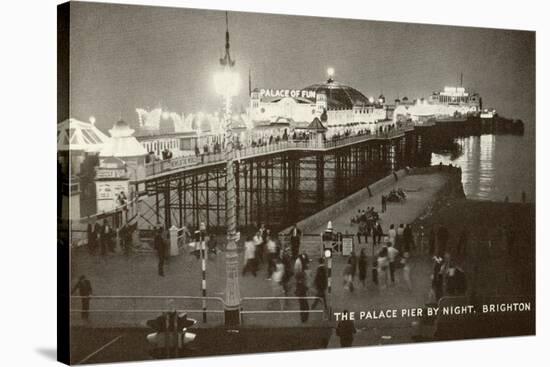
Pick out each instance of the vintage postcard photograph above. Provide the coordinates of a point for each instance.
(233, 182)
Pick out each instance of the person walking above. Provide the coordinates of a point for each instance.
(287, 263)
(277, 280)
(263, 235)
(92, 238)
(321, 284)
(392, 234)
(249, 256)
(301, 291)
(258, 248)
(271, 256)
(345, 330)
(377, 234)
(85, 291)
(362, 230)
(382, 268)
(295, 235)
(392, 257)
(408, 239)
(348, 278)
(399, 238)
(298, 266)
(103, 237)
(406, 271)
(160, 247)
(362, 265)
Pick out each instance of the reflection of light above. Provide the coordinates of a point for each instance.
(371, 99)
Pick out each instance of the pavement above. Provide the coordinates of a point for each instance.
(136, 275)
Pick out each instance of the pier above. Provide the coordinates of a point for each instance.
(279, 184)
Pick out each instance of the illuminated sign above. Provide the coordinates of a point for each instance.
(454, 92)
(292, 93)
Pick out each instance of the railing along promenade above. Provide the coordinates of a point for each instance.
(192, 162)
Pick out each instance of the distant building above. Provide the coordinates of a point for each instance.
(457, 96)
(451, 102)
(334, 103)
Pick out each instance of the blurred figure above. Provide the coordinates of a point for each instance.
(362, 265)
(345, 330)
(277, 281)
(382, 268)
(160, 247)
(392, 234)
(408, 239)
(392, 257)
(348, 277)
(85, 290)
(321, 283)
(406, 271)
(295, 235)
(301, 291)
(249, 256)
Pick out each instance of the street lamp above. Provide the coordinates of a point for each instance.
(227, 85)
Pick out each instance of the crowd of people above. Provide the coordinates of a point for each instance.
(283, 263)
(394, 253)
(164, 155)
(282, 135)
(448, 276)
(102, 236)
(394, 196)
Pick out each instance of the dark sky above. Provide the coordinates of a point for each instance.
(124, 57)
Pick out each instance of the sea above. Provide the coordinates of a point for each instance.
(495, 167)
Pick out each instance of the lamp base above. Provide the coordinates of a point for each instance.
(232, 316)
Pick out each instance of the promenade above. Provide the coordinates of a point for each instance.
(136, 275)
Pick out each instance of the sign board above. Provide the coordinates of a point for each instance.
(106, 194)
(293, 93)
(347, 246)
(179, 162)
(109, 173)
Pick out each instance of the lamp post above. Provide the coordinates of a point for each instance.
(227, 85)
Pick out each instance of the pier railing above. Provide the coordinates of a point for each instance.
(159, 167)
(136, 310)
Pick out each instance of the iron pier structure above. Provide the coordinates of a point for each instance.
(277, 184)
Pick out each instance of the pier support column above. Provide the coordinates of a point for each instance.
(166, 197)
(320, 181)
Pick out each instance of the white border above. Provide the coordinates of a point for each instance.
(28, 83)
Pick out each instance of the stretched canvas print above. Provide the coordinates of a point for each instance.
(233, 182)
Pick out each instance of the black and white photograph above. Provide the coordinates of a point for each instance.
(236, 182)
(261, 179)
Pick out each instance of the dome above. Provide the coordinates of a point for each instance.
(339, 95)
